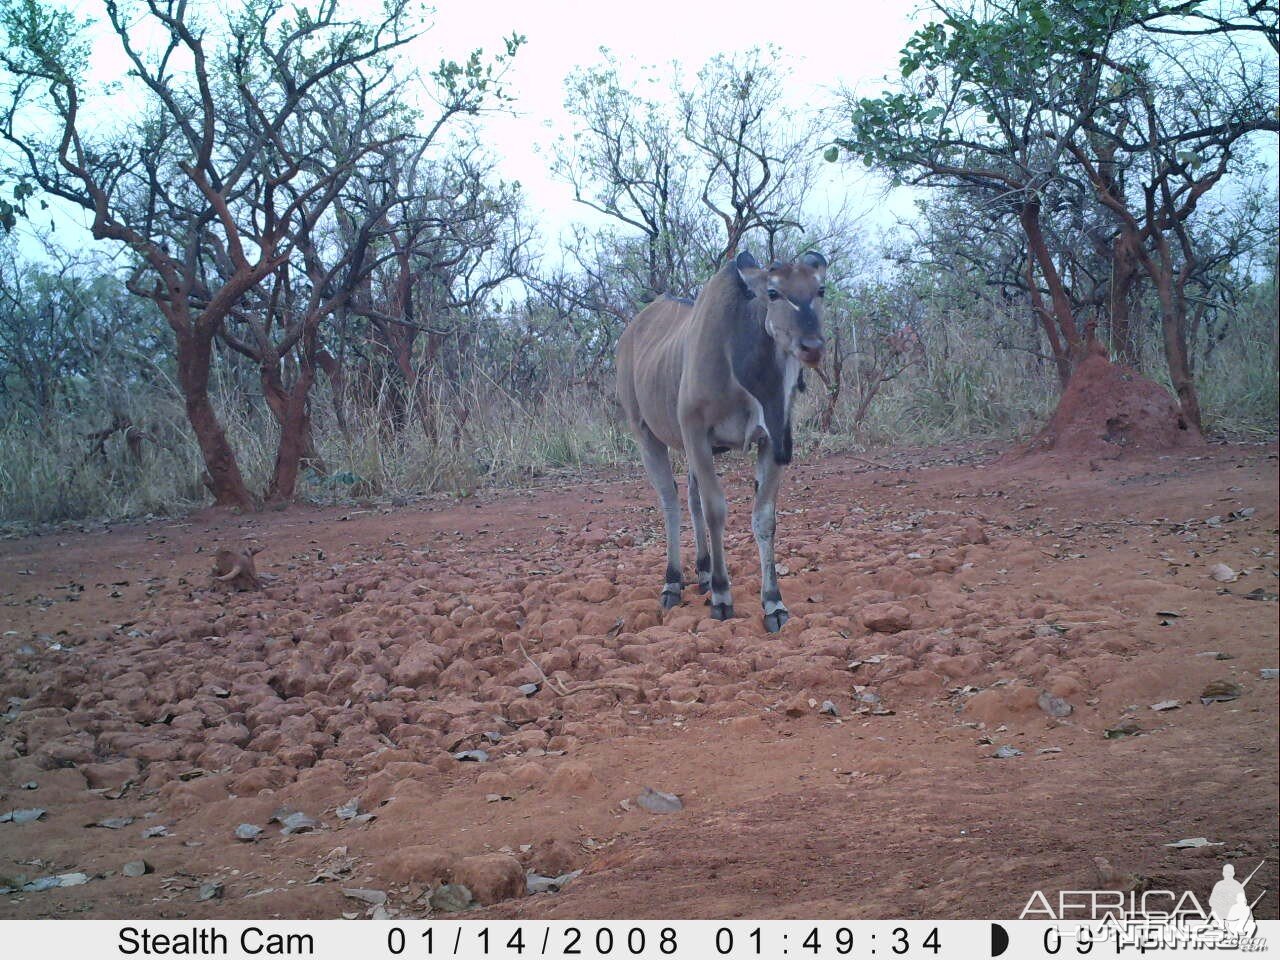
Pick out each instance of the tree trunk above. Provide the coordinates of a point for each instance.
(1124, 273)
(1072, 348)
(338, 382)
(1061, 359)
(1174, 329)
(869, 393)
(194, 354)
(835, 384)
(289, 407)
(296, 442)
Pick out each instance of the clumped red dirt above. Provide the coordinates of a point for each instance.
(935, 606)
(1108, 408)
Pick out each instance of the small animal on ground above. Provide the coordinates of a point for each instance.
(719, 374)
(235, 568)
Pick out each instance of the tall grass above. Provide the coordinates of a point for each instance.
(1239, 383)
(481, 435)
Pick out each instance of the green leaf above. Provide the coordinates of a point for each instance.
(831, 154)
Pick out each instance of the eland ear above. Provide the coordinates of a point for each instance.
(815, 260)
(749, 273)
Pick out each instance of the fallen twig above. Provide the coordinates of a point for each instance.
(543, 674)
(581, 687)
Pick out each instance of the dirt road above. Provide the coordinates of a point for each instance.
(945, 609)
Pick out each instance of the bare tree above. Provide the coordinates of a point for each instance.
(223, 101)
(1038, 106)
(1176, 122)
(455, 239)
(629, 161)
(756, 150)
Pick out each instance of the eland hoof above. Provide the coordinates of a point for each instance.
(775, 614)
(721, 611)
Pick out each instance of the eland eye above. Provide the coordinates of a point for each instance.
(773, 294)
(822, 291)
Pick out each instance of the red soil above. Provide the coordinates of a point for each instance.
(385, 640)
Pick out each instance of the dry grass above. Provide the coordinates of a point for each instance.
(483, 435)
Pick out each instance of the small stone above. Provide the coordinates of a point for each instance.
(655, 801)
(1220, 691)
(451, 898)
(1166, 705)
(829, 708)
(1269, 673)
(886, 617)
(536, 883)
(113, 823)
(248, 832)
(796, 706)
(1191, 843)
(31, 785)
(349, 810)
(23, 816)
(1125, 728)
(529, 689)
(212, 890)
(63, 880)
(298, 823)
(372, 897)
(136, 868)
(1006, 752)
(472, 756)
(1054, 706)
(1223, 574)
(159, 830)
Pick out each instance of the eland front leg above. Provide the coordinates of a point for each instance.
(763, 522)
(711, 496)
(701, 551)
(657, 464)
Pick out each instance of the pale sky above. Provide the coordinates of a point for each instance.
(829, 45)
(852, 44)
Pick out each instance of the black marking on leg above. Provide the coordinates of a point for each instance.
(774, 596)
(672, 589)
(721, 611)
(719, 584)
(782, 451)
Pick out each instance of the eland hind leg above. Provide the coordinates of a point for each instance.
(763, 522)
(657, 464)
